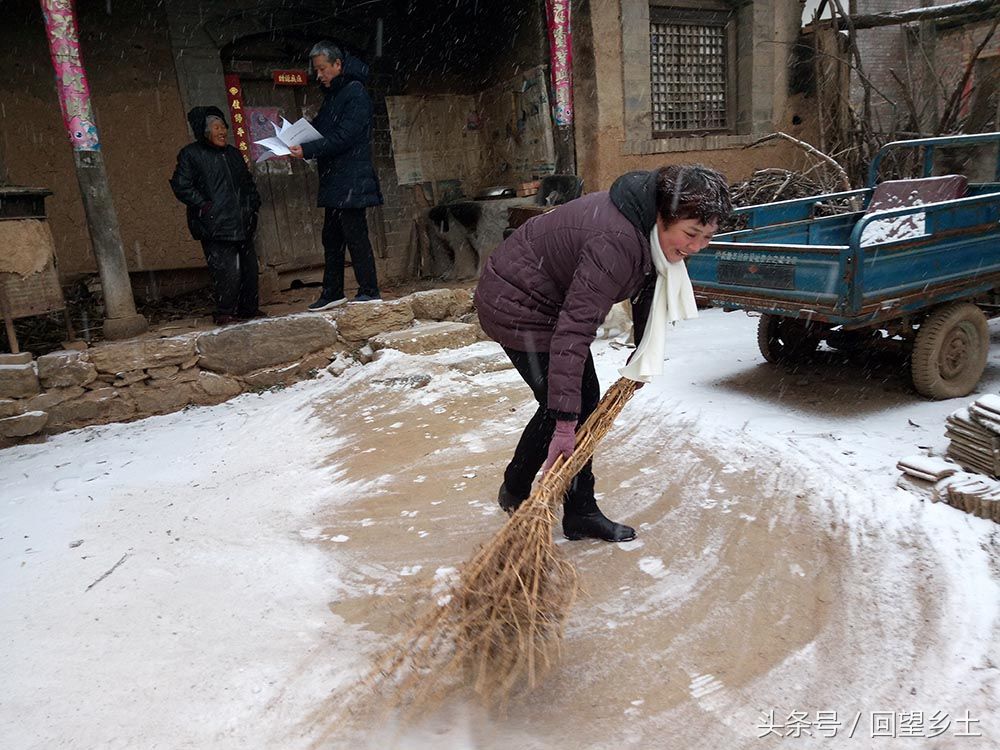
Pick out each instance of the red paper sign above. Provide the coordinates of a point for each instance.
(241, 133)
(290, 77)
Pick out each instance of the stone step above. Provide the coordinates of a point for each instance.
(423, 338)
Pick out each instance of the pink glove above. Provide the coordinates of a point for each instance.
(562, 443)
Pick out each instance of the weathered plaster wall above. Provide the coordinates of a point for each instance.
(140, 120)
(607, 33)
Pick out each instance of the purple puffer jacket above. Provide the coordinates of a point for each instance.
(549, 286)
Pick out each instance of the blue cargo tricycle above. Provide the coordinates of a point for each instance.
(913, 262)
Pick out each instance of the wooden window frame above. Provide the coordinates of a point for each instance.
(709, 14)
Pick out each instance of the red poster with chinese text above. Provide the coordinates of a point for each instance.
(241, 131)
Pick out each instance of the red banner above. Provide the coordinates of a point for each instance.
(241, 133)
(561, 54)
(290, 77)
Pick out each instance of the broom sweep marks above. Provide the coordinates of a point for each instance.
(499, 627)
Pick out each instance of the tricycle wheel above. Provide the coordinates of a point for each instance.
(784, 339)
(949, 354)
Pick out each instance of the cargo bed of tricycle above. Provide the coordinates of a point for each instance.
(899, 263)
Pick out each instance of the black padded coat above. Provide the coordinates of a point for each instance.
(343, 155)
(215, 185)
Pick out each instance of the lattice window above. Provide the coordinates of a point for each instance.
(690, 71)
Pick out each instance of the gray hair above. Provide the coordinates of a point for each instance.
(329, 49)
(208, 123)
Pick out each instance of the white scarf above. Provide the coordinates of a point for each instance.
(673, 300)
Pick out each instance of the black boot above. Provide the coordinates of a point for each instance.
(595, 525)
(508, 501)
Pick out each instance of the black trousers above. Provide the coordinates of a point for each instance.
(347, 227)
(233, 266)
(533, 447)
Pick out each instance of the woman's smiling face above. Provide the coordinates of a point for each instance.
(683, 238)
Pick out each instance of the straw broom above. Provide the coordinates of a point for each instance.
(501, 623)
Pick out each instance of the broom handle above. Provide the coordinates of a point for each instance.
(557, 479)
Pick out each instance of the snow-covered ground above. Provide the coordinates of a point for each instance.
(212, 578)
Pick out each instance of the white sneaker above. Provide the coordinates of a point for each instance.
(324, 304)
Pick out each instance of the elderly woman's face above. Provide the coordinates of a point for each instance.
(326, 71)
(217, 133)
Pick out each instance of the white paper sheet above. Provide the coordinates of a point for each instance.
(288, 134)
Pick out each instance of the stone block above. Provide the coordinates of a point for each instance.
(463, 302)
(162, 400)
(241, 349)
(341, 364)
(65, 368)
(158, 373)
(359, 321)
(45, 401)
(93, 407)
(138, 354)
(18, 380)
(29, 423)
(218, 387)
(125, 379)
(426, 337)
(433, 304)
(21, 358)
(183, 376)
(11, 407)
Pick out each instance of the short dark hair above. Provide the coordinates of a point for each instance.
(692, 191)
(331, 50)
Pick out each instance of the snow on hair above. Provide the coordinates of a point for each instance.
(692, 191)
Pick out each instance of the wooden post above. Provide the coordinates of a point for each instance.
(121, 318)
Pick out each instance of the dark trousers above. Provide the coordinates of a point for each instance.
(234, 276)
(533, 447)
(347, 227)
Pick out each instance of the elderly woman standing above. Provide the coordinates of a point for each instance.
(547, 288)
(213, 181)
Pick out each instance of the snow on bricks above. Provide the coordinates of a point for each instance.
(242, 349)
(427, 337)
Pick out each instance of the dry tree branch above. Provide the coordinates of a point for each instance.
(841, 173)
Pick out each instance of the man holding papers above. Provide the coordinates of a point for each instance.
(347, 180)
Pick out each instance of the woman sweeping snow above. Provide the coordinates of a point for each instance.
(548, 287)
